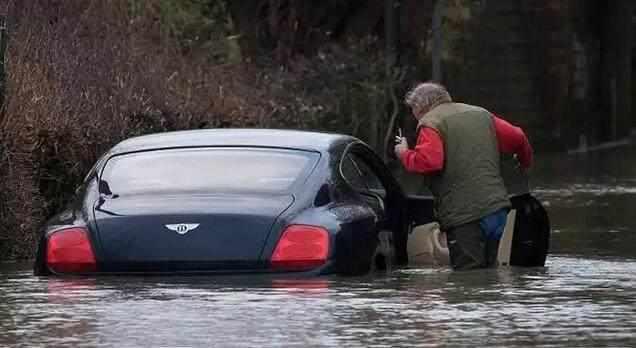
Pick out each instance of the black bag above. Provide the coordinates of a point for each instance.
(531, 239)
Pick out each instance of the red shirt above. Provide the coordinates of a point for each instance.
(428, 155)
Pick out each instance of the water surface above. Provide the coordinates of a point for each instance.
(584, 297)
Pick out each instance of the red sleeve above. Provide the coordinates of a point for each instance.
(428, 155)
(513, 140)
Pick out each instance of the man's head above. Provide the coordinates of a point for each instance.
(425, 96)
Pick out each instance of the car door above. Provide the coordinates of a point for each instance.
(366, 183)
(400, 212)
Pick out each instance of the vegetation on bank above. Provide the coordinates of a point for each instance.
(83, 75)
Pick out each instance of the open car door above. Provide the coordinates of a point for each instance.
(420, 209)
(531, 238)
(531, 234)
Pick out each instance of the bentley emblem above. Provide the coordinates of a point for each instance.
(182, 228)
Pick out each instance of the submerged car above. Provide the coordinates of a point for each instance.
(240, 201)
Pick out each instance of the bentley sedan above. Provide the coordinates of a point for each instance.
(234, 201)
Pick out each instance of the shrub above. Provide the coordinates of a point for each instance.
(84, 75)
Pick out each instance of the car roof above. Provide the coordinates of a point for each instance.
(293, 139)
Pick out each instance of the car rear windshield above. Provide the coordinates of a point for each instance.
(208, 170)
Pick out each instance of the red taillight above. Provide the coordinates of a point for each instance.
(70, 251)
(301, 247)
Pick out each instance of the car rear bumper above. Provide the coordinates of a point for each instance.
(173, 268)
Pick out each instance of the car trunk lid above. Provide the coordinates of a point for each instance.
(186, 233)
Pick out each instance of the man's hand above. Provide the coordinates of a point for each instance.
(518, 166)
(401, 146)
(515, 158)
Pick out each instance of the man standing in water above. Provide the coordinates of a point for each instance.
(459, 146)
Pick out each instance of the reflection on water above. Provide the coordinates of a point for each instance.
(571, 302)
(590, 199)
(585, 297)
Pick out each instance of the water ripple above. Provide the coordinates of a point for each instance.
(572, 302)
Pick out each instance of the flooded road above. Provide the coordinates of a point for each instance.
(591, 199)
(572, 302)
(584, 297)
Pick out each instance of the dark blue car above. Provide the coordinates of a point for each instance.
(235, 201)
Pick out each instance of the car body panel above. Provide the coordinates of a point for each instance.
(237, 233)
(226, 229)
(276, 138)
(309, 202)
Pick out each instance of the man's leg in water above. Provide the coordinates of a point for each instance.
(466, 247)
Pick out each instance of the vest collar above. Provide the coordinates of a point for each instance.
(432, 113)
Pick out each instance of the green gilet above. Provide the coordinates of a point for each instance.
(470, 185)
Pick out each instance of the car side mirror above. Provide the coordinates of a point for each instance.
(375, 196)
(104, 188)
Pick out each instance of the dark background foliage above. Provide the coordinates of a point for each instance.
(82, 75)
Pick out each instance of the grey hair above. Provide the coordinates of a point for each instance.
(427, 95)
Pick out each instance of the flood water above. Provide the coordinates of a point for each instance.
(584, 297)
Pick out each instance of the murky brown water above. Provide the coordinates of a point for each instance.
(585, 297)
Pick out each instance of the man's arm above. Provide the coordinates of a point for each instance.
(428, 155)
(512, 140)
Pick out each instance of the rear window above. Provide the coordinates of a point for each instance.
(208, 170)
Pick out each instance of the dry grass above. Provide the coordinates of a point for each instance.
(85, 74)
(82, 76)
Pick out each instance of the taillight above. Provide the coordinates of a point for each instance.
(69, 251)
(301, 247)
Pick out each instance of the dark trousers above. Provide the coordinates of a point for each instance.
(469, 249)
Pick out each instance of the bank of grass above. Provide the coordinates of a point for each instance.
(84, 75)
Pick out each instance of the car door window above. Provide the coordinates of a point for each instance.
(360, 175)
(369, 177)
(364, 180)
(352, 175)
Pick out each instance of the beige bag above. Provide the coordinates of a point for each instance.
(426, 246)
(505, 244)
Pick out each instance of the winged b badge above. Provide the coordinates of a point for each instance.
(182, 228)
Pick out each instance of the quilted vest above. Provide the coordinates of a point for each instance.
(470, 185)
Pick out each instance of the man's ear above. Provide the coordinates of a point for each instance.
(420, 114)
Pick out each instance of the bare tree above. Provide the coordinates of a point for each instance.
(3, 48)
(616, 61)
(392, 75)
(438, 40)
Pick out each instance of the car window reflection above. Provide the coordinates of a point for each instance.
(208, 170)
